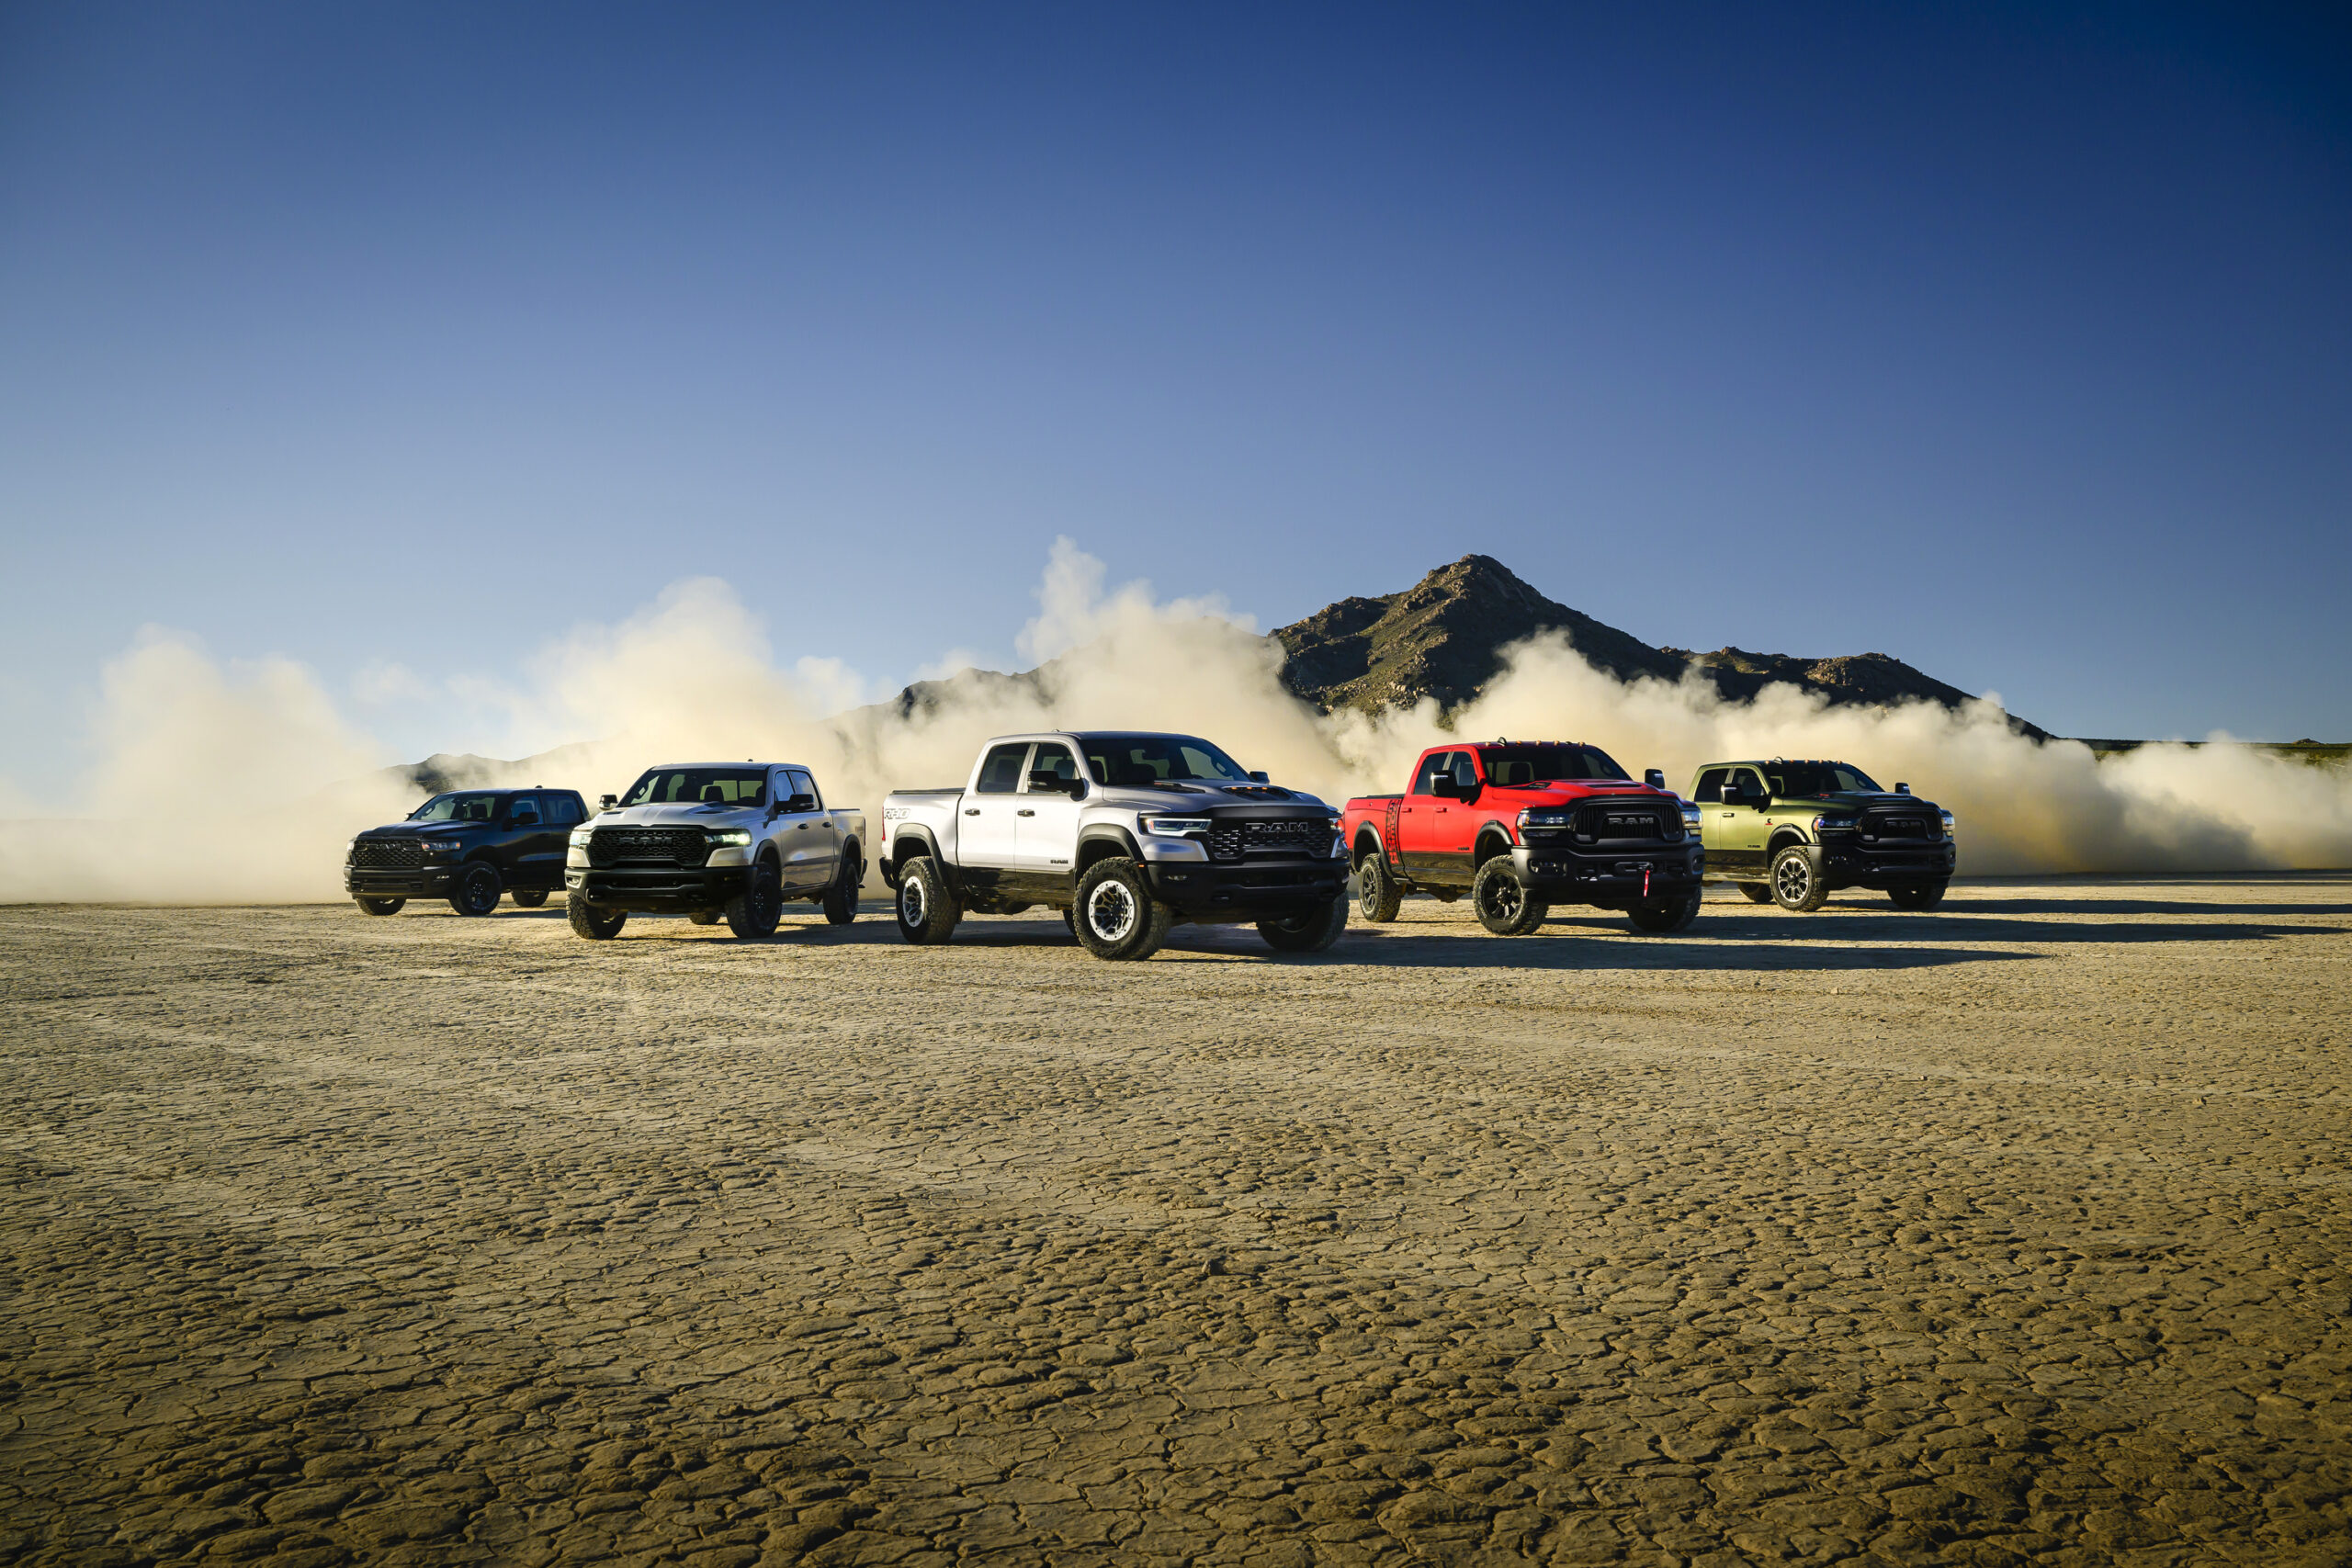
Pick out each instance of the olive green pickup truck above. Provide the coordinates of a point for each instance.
(1792, 833)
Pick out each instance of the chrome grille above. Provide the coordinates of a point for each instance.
(1288, 838)
(647, 846)
(387, 855)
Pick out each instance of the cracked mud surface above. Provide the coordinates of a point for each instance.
(2015, 1233)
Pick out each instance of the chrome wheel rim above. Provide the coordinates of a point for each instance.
(910, 902)
(1792, 879)
(1111, 911)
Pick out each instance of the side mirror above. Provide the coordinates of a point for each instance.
(1654, 777)
(796, 804)
(1903, 789)
(607, 802)
(1445, 787)
(1045, 781)
(1258, 776)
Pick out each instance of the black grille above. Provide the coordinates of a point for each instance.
(387, 855)
(1906, 825)
(647, 846)
(1289, 838)
(1619, 823)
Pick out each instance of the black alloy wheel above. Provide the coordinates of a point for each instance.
(755, 912)
(380, 905)
(839, 902)
(477, 890)
(1503, 904)
(1378, 896)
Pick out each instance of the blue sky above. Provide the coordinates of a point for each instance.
(2015, 342)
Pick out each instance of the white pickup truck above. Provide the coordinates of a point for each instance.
(707, 840)
(1126, 833)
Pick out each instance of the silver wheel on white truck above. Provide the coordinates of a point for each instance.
(927, 907)
(1118, 916)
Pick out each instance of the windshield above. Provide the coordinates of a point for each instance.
(1137, 760)
(466, 807)
(722, 786)
(1800, 781)
(1508, 765)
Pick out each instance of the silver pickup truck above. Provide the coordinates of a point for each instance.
(713, 840)
(1126, 833)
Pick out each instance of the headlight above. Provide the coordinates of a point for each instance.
(1689, 820)
(724, 838)
(580, 837)
(1947, 822)
(1833, 824)
(1175, 827)
(350, 848)
(1533, 817)
(441, 846)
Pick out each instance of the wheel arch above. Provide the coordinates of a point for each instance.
(1367, 841)
(1493, 839)
(1783, 838)
(1101, 841)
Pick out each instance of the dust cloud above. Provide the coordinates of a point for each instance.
(240, 782)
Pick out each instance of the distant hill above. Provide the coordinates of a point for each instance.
(1443, 638)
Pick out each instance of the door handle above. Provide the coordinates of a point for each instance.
(1024, 813)
(804, 826)
(971, 811)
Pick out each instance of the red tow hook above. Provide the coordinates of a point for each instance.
(1646, 880)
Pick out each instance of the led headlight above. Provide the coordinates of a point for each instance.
(580, 837)
(725, 838)
(440, 846)
(1689, 820)
(1538, 818)
(350, 848)
(1834, 823)
(1947, 822)
(1175, 827)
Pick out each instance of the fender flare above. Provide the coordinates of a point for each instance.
(1490, 831)
(1102, 833)
(1364, 830)
(893, 855)
(1783, 837)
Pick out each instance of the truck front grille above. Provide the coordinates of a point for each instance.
(610, 847)
(1915, 825)
(1289, 838)
(1631, 822)
(387, 855)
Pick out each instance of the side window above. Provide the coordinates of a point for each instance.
(524, 810)
(1054, 760)
(1000, 773)
(798, 782)
(1465, 772)
(563, 810)
(1751, 782)
(1711, 786)
(1431, 766)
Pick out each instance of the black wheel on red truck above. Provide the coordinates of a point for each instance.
(1378, 896)
(1504, 905)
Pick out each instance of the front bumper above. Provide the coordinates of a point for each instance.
(1568, 872)
(1251, 890)
(656, 889)
(1853, 865)
(420, 882)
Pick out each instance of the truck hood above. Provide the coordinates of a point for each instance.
(426, 830)
(709, 815)
(1857, 800)
(1193, 796)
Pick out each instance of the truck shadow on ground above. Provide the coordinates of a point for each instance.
(2125, 906)
(1963, 924)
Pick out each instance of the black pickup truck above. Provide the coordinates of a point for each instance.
(467, 846)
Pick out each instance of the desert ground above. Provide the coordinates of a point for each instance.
(2013, 1232)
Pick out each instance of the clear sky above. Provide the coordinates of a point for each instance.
(2015, 342)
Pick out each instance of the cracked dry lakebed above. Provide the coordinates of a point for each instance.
(2013, 1232)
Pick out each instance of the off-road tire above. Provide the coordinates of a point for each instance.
(477, 890)
(839, 902)
(1504, 906)
(1671, 912)
(1117, 916)
(1755, 892)
(1917, 895)
(1798, 886)
(927, 907)
(704, 917)
(596, 925)
(753, 913)
(528, 897)
(1314, 931)
(381, 905)
(1378, 896)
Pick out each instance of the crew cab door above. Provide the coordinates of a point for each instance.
(986, 836)
(1425, 822)
(1046, 819)
(808, 842)
(1740, 823)
(533, 849)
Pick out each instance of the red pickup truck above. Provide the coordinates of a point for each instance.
(1523, 824)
